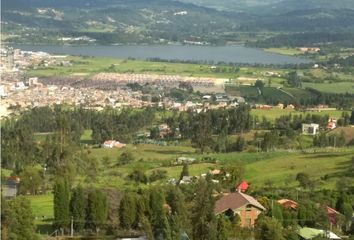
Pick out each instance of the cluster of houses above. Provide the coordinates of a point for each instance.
(314, 128)
(248, 209)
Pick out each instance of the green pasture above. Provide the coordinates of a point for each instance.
(282, 171)
(87, 66)
(335, 87)
(284, 51)
(274, 113)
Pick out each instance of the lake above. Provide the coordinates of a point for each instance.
(233, 53)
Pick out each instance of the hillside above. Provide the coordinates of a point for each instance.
(162, 21)
(347, 131)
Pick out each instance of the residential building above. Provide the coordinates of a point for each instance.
(113, 144)
(310, 129)
(242, 204)
(242, 187)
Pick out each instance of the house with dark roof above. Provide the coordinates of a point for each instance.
(245, 206)
(10, 187)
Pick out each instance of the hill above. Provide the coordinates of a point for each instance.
(163, 21)
(347, 131)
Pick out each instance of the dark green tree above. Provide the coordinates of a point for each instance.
(97, 209)
(269, 229)
(127, 211)
(202, 131)
(352, 118)
(125, 158)
(61, 204)
(159, 222)
(31, 180)
(185, 171)
(17, 220)
(293, 79)
(77, 208)
(203, 219)
(221, 228)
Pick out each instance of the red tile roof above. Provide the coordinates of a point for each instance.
(243, 186)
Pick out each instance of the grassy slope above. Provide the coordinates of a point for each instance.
(340, 87)
(282, 171)
(274, 113)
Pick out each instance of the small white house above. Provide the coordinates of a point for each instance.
(112, 144)
(310, 129)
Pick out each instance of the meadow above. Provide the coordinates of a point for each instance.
(262, 170)
(335, 87)
(87, 66)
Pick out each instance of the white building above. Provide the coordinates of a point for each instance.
(310, 129)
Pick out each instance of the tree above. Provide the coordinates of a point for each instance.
(31, 180)
(304, 180)
(202, 130)
(293, 79)
(185, 171)
(221, 228)
(240, 144)
(154, 133)
(269, 229)
(203, 218)
(159, 222)
(138, 176)
(77, 208)
(178, 214)
(259, 84)
(97, 209)
(17, 220)
(352, 118)
(127, 211)
(158, 175)
(125, 158)
(61, 204)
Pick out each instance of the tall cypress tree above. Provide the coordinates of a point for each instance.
(159, 222)
(127, 211)
(203, 218)
(77, 208)
(61, 204)
(97, 209)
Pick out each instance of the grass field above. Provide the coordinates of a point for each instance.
(274, 113)
(282, 171)
(340, 87)
(87, 66)
(42, 208)
(277, 169)
(284, 51)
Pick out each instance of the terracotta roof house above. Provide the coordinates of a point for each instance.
(113, 144)
(243, 186)
(288, 204)
(242, 204)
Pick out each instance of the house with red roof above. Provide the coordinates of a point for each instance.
(245, 206)
(243, 186)
(331, 213)
(287, 203)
